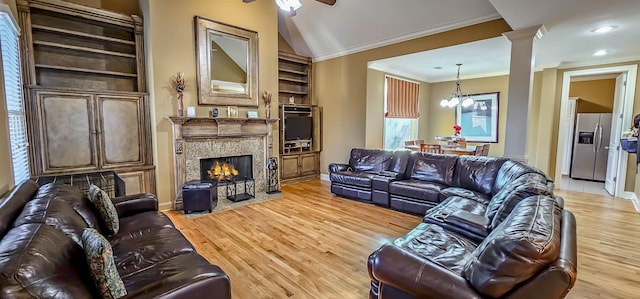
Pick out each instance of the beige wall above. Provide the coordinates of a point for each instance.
(171, 48)
(340, 86)
(441, 120)
(596, 96)
(6, 174)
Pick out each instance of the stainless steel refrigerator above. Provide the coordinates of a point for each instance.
(591, 146)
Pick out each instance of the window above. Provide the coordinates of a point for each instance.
(401, 112)
(13, 94)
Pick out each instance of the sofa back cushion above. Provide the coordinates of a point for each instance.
(477, 173)
(12, 204)
(400, 161)
(521, 246)
(512, 170)
(501, 204)
(372, 160)
(38, 261)
(49, 206)
(433, 168)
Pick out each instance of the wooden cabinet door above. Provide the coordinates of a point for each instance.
(289, 167)
(308, 164)
(120, 121)
(66, 131)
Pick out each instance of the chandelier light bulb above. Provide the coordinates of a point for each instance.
(453, 102)
(444, 103)
(467, 102)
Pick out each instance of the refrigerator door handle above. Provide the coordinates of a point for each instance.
(595, 138)
(599, 136)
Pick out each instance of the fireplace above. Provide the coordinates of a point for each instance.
(226, 168)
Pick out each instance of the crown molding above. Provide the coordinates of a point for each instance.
(406, 37)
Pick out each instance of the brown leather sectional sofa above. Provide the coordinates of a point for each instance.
(41, 254)
(491, 228)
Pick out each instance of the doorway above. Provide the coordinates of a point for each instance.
(623, 112)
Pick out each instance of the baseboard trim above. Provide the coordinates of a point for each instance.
(633, 198)
(165, 207)
(324, 177)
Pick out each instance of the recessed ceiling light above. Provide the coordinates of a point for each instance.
(603, 29)
(437, 67)
(600, 53)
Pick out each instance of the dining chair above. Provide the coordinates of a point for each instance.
(485, 149)
(479, 150)
(430, 148)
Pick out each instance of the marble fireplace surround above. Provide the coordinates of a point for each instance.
(199, 138)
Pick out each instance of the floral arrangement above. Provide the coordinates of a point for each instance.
(179, 84)
(458, 129)
(266, 98)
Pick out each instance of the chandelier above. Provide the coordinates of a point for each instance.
(457, 97)
(289, 5)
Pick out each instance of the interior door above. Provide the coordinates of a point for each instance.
(614, 140)
(570, 124)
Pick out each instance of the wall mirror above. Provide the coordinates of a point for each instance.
(227, 64)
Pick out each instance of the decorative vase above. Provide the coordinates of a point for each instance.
(267, 111)
(180, 106)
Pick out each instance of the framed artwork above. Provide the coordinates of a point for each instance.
(479, 121)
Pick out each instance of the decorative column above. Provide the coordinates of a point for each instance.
(520, 90)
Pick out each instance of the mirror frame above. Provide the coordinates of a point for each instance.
(204, 28)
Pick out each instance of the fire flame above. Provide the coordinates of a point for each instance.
(222, 172)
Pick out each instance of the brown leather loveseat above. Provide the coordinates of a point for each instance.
(41, 254)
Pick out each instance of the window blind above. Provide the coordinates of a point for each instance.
(402, 98)
(14, 101)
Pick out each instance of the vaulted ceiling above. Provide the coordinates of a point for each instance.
(324, 32)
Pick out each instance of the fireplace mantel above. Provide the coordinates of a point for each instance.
(187, 129)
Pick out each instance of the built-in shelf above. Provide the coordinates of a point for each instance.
(83, 49)
(81, 34)
(293, 80)
(293, 92)
(83, 70)
(293, 71)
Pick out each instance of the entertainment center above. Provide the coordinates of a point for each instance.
(300, 121)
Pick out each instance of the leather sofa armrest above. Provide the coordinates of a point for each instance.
(473, 223)
(417, 276)
(135, 204)
(335, 167)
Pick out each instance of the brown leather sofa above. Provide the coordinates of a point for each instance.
(415, 182)
(530, 254)
(41, 254)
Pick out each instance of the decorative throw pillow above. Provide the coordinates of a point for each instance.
(105, 208)
(103, 268)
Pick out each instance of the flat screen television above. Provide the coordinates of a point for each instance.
(298, 127)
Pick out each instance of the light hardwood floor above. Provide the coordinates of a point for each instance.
(311, 244)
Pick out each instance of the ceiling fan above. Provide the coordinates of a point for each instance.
(290, 6)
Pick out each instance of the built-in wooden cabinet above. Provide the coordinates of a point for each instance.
(85, 92)
(300, 166)
(299, 148)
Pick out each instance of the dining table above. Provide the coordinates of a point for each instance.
(460, 151)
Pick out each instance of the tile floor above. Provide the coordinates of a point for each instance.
(570, 184)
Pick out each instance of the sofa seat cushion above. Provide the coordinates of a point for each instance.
(169, 277)
(137, 251)
(144, 222)
(466, 193)
(362, 179)
(434, 243)
(522, 245)
(417, 189)
(455, 203)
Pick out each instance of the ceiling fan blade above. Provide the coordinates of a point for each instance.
(327, 2)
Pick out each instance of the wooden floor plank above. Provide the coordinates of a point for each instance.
(311, 244)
